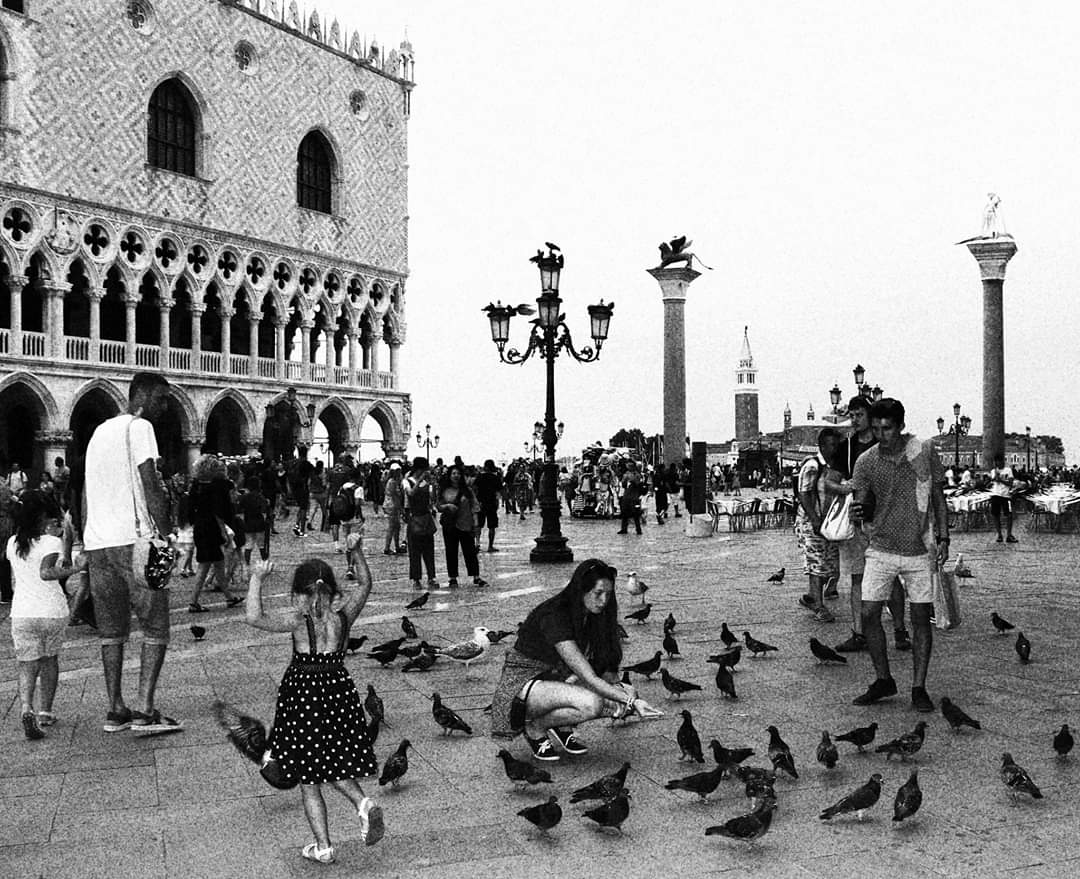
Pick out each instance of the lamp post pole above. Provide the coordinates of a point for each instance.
(1028, 431)
(548, 337)
(961, 426)
(427, 442)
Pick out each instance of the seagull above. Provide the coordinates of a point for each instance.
(825, 653)
(198, 632)
(613, 812)
(603, 788)
(700, 783)
(676, 686)
(827, 755)
(860, 737)
(858, 801)
(543, 815)
(757, 647)
(671, 646)
(749, 827)
(408, 628)
(1063, 741)
(1017, 779)
(447, 718)
(640, 615)
(780, 753)
(519, 770)
(634, 586)
(727, 636)
(908, 798)
(1002, 625)
(778, 577)
(956, 716)
(906, 745)
(418, 602)
(467, 651)
(1023, 648)
(396, 765)
(688, 740)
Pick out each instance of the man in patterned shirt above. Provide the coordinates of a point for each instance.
(898, 490)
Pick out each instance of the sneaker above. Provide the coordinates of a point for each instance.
(46, 718)
(493, 549)
(824, 615)
(415, 584)
(296, 530)
(903, 640)
(401, 550)
(312, 852)
(855, 644)
(432, 584)
(807, 602)
(372, 828)
(999, 538)
(387, 551)
(567, 741)
(350, 574)
(879, 689)
(921, 701)
(118, 721)
(31, 728)
(542, 749)
(153, 724)
(1011, 539)
(479, 582)
(452, 583)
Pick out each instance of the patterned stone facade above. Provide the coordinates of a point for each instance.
(220, 280)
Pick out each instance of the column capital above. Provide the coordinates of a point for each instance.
(58, 289)
(992, 255)
(254, 317)
(197, 309)
(16, 282)
(55, 438)
(307, 324)
(674, 282)
(96, 294)
(226, 313)
(166, 304)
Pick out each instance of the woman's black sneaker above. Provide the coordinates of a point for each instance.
(879, 689)
(568, 741)
(542, 749)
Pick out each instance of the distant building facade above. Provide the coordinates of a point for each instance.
(212, 189)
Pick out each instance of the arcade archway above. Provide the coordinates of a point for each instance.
(22, 416)
(226, 428)
(330, 436)
(91, 409)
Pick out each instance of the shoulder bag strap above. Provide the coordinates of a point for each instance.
(312, 646)
(344, 630)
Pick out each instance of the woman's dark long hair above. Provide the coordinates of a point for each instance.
(32, 507)
(463, 485)
(314, 579)
(596, 634)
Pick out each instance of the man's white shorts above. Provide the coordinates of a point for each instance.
(853, 556)
(883, 567)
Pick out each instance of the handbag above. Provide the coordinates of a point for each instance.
(421, 525)
(153, 559)
(946, 598)
(837, 525)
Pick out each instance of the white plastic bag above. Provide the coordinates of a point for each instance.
(837, 525)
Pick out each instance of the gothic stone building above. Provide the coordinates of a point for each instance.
(212, 189)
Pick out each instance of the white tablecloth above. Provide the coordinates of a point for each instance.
(1056, 500)
(965, 503)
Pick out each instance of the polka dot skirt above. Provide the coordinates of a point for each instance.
(319, 732)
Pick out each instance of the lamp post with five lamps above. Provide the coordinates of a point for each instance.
(863, 389)
(549, 336)
(960, 427)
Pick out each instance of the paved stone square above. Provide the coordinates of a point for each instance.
(83, 803)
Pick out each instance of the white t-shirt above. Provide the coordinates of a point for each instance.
(111, 493)
(34, 597)
(1001, 489)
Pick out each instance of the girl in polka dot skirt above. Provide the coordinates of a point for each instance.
(319, 736)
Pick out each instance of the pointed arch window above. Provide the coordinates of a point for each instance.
(315, 173)
(172, 128)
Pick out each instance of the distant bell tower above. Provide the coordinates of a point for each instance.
(787, 417)
(746, 394)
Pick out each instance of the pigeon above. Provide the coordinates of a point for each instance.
(386, 653)
(634, 586)
(467, 651)
(727, 636)
(396, 765)
(613, 812)
(1063, 741)
(700, 783)
(729, 658)
(860, 737)
(543, 815)
(725, 683)
(671, 646)
(1017, 779)
(760, 785)
(1000, 624)
(353, 645)
(780, 753)
(408, 628)
(446, 718)
(908, 798)
(960, 570)
(418, 602)
(414, 650)
(688, 740)
(676, 686)
(248, 734)
(824, 653)
(640, 615)
(647, 667)
(858, 801)
(778, 577)
(372, 730)
(956, 716)
(729, 757)
(373, 705)
(906, 745)
(495, 637)
(198, 632)
(749, 827)
(669, 623)
(519, 770)
(423, 661)
(827, 755)
(622, 632)
(1023, 648)
(756, 647)
(603, 788)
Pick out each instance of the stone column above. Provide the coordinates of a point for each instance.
(328, 354)
(129, 336)
(992, 255)
(373, 359)
(226, 338)
(95, 323)
(365, 347)
(197, 309)
(395, 355)
(306, 327)
(53, 294)
(279, 348)
(15, 287)
(194, 446)
(253, 344)
(55, 444)
(164, 310)
(353, 342)
(673, 286)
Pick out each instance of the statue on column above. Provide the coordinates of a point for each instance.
(675, 251)
(993, 225)
(282, 431)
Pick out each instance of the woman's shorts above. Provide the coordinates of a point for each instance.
(37, 637)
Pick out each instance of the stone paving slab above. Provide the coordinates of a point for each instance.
(82, 801)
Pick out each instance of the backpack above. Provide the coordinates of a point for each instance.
(795, 481)
(343, 504)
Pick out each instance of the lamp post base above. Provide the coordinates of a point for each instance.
(551, 549)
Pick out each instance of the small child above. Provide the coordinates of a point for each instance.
(319, 735)
(255, 509)
(39, 609)
(185, 534)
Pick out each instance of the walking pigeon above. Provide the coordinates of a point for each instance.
(640, 615)
(956, 716)
(467, 651)
(756, 647)
(749, 827)
(647, 667)
(858, 801)
(1023, 648)
(700, 783)
(519, 770)
(688, 740)
(496, 636)
(353, 645)
(729, 657)
(908, 798)
(906, 745)
(780, 753)
(418, 602)
(778, 577)
(447, 718)
(671, 646)
(396, 765)
(676, 686)
(543, 815)
(373, 705)
(423, 661)
(1063, 741)
(727, 636)
(827, 755)
(603, 788)
(612, 813)
(824, 653)
(860, 737)
(669, 623)
(729, 757)
(725, 683)
(1002, 625)
(1017, 779)
(408, 628)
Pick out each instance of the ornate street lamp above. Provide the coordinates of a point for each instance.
(961, 427)
(941, 426)
(426, 441)
(549, 336)
(860, 376)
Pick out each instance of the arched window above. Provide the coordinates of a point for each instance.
(314, 173)
(171, 128)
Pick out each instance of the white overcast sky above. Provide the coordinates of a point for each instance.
(823, 157)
